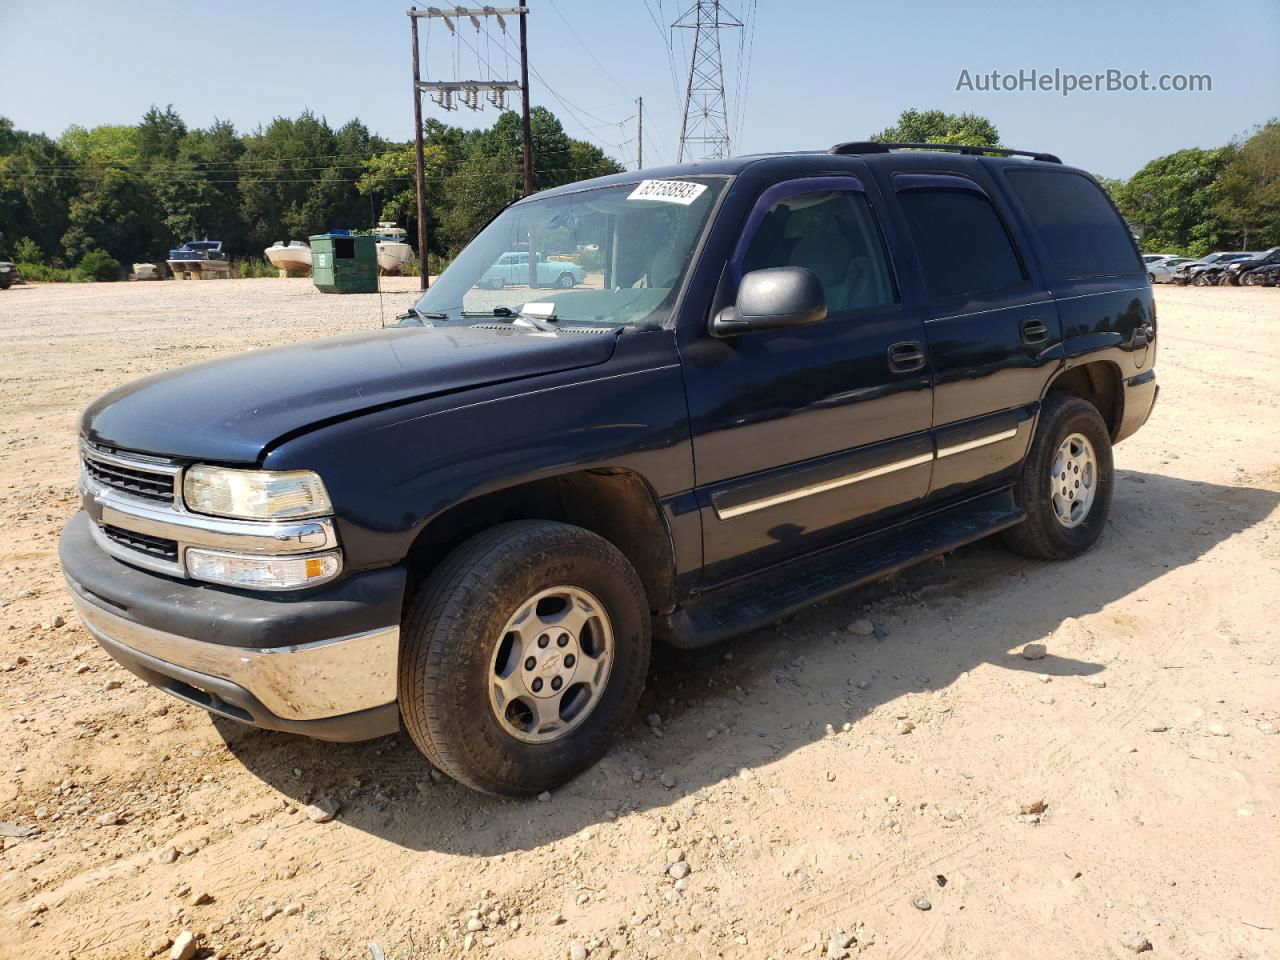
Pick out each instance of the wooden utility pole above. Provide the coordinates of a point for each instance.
(420, 174)
(639, 133)
(524, 98)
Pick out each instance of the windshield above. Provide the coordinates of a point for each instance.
(612, 255)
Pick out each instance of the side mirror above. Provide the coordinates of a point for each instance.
(770, 299)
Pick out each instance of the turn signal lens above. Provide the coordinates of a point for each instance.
(263, 572)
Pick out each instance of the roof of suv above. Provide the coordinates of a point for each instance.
(903, 156)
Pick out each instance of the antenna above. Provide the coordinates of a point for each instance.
(706, 116)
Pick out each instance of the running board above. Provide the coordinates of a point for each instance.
(760, 599)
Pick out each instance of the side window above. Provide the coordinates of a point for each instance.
(962, 245)
(1082, 232)
(831, 233)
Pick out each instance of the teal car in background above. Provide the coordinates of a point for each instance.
(512, 269)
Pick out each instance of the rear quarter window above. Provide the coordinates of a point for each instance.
(1077, 224)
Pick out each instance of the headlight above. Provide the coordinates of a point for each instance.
(263, 572)
(255, 494)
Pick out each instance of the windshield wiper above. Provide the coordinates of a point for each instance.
(506, 313)
(423, 315)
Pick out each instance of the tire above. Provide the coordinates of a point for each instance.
(1152, 278)
(1249, 280)
(1043, 535)
(565, 281)
(453, 635)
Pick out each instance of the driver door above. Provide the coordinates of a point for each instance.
(805, 436)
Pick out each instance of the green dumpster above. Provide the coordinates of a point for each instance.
(341, 263)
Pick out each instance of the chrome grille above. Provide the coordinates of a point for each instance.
(133, 480)
(158, 547)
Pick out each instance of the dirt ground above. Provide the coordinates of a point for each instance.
(823, 787)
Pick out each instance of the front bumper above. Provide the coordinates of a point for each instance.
(320, 662)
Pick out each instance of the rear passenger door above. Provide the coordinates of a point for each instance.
(992, 330)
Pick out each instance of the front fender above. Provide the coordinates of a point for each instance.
(389, 473)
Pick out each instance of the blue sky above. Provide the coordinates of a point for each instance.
(819, 72)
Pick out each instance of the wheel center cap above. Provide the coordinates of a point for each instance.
(551, 665)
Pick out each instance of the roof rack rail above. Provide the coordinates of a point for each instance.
(861, 146)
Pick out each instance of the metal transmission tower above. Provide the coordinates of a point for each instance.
(706, 116)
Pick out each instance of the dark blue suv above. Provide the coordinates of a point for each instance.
(778, 378)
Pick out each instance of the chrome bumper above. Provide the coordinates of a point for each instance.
(310, 681)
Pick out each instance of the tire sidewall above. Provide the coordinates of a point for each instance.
(1060, 418)
(498, 761)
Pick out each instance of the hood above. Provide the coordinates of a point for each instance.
(231, 409)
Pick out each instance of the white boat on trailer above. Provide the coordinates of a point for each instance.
(394, 252)
(291, 257)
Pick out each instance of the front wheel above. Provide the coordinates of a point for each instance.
(523, 655)
(1066, 481)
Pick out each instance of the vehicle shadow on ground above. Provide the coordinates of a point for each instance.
(779, 687)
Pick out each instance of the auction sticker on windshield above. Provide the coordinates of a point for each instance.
(668, 191)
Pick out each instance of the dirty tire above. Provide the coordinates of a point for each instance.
(452, 623)
(1041, 535)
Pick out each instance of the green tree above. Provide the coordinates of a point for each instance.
(199, 190)
(38, 180)
(1247, 200)
(1171, 200)
(115, 213)
(160, 134)
(98, 265)
(937, 126)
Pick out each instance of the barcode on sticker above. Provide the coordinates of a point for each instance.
(668, 191)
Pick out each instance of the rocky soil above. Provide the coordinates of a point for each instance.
(986, 757)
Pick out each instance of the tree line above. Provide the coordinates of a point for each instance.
(78, 206)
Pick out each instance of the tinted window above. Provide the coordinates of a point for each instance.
(832, 234)
(1082, 232)
(962, 245)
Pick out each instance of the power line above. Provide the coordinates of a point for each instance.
(590, 53)
(741, 113)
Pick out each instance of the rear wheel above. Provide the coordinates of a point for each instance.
(1066, 482)
(565, 281)
(523, 655)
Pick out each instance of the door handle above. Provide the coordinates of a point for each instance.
(1034, 331)
(906, 356)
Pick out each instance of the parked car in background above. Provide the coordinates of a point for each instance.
(512, 269)
(1188, 272)
(1150, 258)
(1216, 273)
(1236, 269)
(1268, 276)
(9, 275)
(1162, 271)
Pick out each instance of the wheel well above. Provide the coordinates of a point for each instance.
(1097, 383)
(615, 504)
